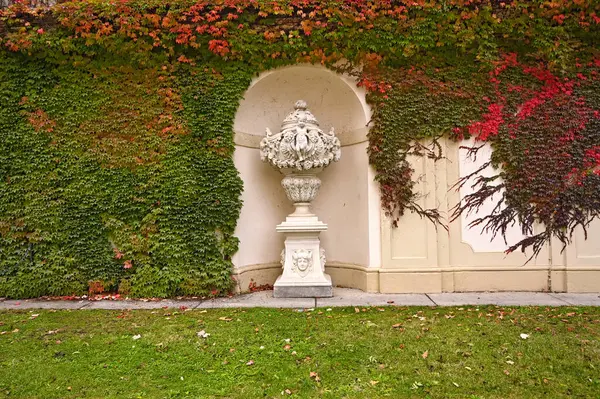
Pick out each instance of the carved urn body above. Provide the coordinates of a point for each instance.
(300, 151)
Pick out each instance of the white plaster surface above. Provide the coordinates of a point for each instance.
(374, 205)
(336, 101)
(481, 241)
(264, 206)
(343, 205)
(588, 250)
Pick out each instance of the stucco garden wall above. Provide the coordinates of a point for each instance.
(363, 250)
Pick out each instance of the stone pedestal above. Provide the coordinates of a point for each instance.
(303, 259)
(301, 150)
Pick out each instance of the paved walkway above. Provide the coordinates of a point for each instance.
(342, 297)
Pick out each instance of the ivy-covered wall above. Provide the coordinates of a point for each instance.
(116, 123)
(112, 177)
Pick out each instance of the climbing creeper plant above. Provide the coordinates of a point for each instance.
(116, 118)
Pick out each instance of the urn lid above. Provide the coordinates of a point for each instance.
(300, 114)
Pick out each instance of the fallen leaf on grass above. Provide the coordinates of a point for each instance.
(203, 334)
(287, 347)
(356, 310)
(416, 385)
(425, 354)
(315, 376)
(136, 337)
(250, 363)
(524, 336)
(224, 318)
(374, 382)
(397, 325)
(506, 372)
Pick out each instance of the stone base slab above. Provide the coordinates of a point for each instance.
(303, 291)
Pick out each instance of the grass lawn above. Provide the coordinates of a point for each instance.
(396, 352)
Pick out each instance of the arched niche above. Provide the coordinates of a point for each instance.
(348, 200)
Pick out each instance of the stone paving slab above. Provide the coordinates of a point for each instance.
(497, 298)
(342, 297)
(141, 304)
(42, 304)
(583, 299)
(262, 299)
(351, 297)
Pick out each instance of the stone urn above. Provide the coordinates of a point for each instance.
(300, 151)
